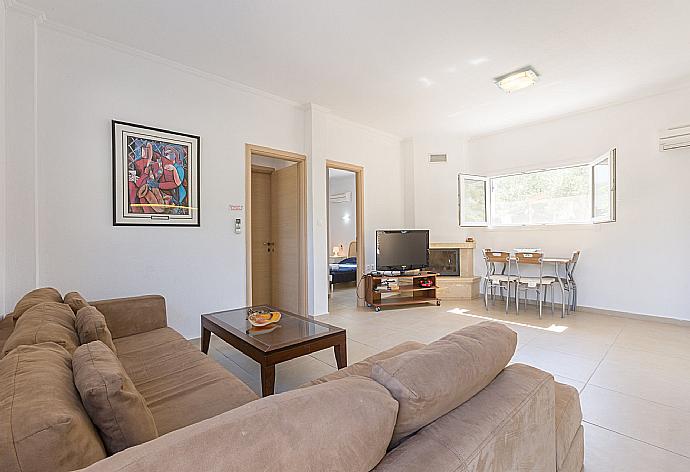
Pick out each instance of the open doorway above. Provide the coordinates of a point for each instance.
(276, 228)
(345, 183)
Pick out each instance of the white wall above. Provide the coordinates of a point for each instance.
(625, 266)
(81, 87)
(3, 167)
(342, 221)
(336, 139)
(435, 186)
(21, 228)
(64, 87)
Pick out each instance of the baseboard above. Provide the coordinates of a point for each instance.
(620, 314)
(636, 316)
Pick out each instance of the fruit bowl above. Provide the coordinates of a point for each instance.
(260, 319)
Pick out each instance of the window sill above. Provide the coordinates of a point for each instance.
(561, 227)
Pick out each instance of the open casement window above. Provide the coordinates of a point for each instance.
(473, 200)
(604, 188)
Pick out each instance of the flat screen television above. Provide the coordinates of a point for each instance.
(400, 250)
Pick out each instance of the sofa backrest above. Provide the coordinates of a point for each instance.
(133, 315)
(430, 382)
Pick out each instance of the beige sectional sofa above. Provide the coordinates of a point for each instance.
(452, 405)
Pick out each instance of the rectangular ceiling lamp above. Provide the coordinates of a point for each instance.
(517, 80)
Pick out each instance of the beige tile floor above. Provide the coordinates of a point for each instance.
(634, 376)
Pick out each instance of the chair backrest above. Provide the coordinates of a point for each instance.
(496, 257)
(502, 257)
(352, 250)
(535, 258)
(530, 258)
(573, 262)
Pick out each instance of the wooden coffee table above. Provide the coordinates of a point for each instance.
(293, 336)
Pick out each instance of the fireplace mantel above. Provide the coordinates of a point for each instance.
(466, 286)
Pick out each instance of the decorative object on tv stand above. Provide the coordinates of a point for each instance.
(155, 176)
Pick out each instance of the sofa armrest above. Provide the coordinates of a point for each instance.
(509, 425)
(133, 315)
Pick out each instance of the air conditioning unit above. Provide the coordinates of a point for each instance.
(674, 138)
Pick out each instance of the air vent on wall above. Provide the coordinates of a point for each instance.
(438, 158)
(674, 138)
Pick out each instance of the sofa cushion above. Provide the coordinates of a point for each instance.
(181, 385)
(6, 328)
(43, 425)
(575, 458)
(75, 301)
(341, 425)
(34, 297)
(363, 367)
(568, 419)
(45, 322)
(110, 398)
(90, 324)
(508, 426)
(430, 382)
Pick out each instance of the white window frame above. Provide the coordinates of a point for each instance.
(488, 190)
(611, 156)
(461, 198)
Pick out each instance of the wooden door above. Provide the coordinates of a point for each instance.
(261, 238)
(285, 230)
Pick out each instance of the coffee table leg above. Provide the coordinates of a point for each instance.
(205, 339)
(268, 380)
(341, 354)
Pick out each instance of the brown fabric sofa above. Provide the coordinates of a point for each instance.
(207, 419)
(180, 385)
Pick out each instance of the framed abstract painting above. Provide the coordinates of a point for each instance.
(155, 177)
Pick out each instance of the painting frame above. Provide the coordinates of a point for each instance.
(169, 155)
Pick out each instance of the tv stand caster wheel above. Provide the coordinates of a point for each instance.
(368, 305)
(438, 302)
(378, 308)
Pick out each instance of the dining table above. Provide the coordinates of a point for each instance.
(557, 263)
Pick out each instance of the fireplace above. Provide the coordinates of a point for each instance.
(445, 261)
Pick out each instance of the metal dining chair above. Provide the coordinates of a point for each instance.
(492, 280)
(526, 283)
(569, 281)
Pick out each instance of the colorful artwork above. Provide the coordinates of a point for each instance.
(155, 176)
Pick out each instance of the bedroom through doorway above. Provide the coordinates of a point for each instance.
(345, 233)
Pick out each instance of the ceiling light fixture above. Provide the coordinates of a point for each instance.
(517, 80)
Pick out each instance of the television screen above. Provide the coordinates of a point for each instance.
(402, 249)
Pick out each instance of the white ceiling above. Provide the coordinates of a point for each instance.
(406, 66)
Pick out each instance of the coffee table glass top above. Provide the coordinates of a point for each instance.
(291, 328)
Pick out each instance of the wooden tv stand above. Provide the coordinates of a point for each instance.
(410, 292)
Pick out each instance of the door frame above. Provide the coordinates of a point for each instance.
(301, 160)
(359, 210)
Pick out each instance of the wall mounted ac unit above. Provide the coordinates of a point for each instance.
(674, 138)
(341, 197)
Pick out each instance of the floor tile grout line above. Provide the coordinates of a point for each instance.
(636, 439)
(602, 359)
(656, 353)
(629, 395)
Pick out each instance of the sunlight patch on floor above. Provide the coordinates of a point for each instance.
(554, 328)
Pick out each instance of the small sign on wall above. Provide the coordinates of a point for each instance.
(233, 207)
